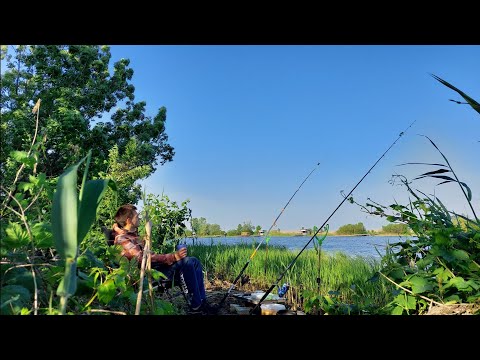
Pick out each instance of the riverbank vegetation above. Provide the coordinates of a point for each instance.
(201, 228)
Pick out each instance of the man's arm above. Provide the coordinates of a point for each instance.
(167, 259)
(131, 249)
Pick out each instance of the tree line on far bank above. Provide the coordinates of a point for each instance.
(202, 228)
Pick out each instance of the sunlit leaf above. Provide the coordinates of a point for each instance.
(16, 236)
(22, 157)
(106, 291)
(459, 283)
(411, 302)
(397, 310)
(24, 186)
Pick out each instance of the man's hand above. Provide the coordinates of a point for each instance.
(180, 254)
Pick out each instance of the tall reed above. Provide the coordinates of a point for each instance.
(340, 273)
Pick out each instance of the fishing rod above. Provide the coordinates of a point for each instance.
(266, 236)
(254, 310)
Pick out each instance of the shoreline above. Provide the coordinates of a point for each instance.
(299, 235)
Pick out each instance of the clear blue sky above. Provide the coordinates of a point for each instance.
(248, 123)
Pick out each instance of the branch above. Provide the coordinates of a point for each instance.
(409, 291)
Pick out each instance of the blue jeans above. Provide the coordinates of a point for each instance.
(191, 268)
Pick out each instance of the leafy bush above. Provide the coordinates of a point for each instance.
(440, 266)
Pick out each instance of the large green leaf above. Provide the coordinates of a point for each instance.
(16, 236)
(397, 310)
(42, 234)
(22, 157)
(406, 301)
(459, 283)
(106, 291)
(92, 195)
(420, 285)
(64, 213)
(461, 255)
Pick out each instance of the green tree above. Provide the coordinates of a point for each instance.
(203, 228)
(168, 219)
(76, 88)
(395, 229)
(214, 229)
(352, 229)
(246, 227)
(200, 226)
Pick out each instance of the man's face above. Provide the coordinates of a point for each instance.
(135, 219)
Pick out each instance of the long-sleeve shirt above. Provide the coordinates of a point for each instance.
(132, 246)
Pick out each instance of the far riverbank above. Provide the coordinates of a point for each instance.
(365, 246)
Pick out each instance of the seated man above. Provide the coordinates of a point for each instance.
(125, 233)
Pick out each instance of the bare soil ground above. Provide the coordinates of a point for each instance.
(454, 309)
(216, 290)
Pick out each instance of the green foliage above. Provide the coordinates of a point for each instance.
(72, 216)
(441, 264)
(168, 219)
(77, 89)
(126, 149)
(399, 229)
(125, 175)
(351, 229)
(350, 277)
(13, 299)
(437, 262)
(246, 228)
(330, 304)
(203, 228)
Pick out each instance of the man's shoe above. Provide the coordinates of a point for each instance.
(204, 309)
(210, 309)
(199, 310)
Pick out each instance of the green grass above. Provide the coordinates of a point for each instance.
(348, 278)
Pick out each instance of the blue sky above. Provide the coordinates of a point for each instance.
(249, 123)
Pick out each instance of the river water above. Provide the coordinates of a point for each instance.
(365, 246)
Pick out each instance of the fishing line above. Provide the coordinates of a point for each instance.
(255, 309)
(265, 238)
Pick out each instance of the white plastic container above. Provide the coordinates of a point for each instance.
(257, 295)
(271, 309)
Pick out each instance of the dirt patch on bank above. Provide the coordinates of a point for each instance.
(454, 309)
(216, 291)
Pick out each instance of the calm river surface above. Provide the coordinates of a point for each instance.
(365, 246)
